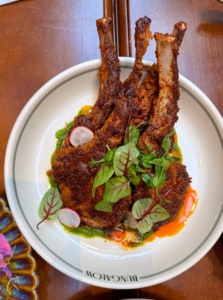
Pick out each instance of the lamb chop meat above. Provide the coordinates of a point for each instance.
(70, 165)
(161, 121)
(165, 106)
(173, 192)
(148, 91)
(108, 75)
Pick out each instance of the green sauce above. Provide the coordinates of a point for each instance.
(87, 231)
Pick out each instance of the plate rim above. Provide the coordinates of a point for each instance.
(207, 106)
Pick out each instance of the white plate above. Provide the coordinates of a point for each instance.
(96, 261)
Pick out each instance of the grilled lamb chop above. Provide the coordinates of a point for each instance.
(148, 91)
(165, 107)
(173, 192)
(108, 75)
(162, 119)
(70, 166)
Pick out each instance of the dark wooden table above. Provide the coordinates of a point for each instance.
(41, 38)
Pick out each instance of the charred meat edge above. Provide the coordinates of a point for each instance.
(70, 165)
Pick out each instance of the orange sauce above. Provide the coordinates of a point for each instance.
(186, 211)
(118, 236)
(86, 109)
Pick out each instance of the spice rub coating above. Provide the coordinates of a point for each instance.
(70, 166)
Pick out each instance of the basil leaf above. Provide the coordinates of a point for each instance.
(116, 188)
(50, 205)
(104, 173)
(103, 206)
(124, 157)
(133, 134)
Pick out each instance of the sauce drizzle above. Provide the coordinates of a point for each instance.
(186, 211)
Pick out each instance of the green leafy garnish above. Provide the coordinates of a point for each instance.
(104, 206)
(132, 175)
(104, 173)
(116, 188)
(108, 157)
(133, 134)
(124, 157)
(166, 143)
(126, 162)
(148, 212)
(158, 178)
(50, 205)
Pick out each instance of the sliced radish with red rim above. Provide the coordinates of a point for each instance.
(69, 217)
(80, 135)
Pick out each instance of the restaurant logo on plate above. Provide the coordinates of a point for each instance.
(113, 278)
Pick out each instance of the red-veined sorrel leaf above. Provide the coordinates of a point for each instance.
(50, 205)
(145, 225)
(140, 207)
(116, 188)
(158, 213)
(149, 212)
(104, 173)
(124, 157)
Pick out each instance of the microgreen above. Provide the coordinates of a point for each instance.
(104, 206)
(133, 134)
(126, 162)
(104, 173)
(147, 179)
(50, 205)
(131, 175)
(166, 143)
(148, 212)
(116, 188)
(159, 177)
(124, 157)
(108, 157)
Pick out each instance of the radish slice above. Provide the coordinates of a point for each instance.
(69, 217)
(80, 135)
(131, 220)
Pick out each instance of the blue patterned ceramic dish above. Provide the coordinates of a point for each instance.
(17, 270)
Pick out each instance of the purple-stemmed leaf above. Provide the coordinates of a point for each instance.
(124, 157)
(116, 188)
(50, 205)
(148, 212)
(140, 207)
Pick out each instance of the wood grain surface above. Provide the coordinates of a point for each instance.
(41, 38)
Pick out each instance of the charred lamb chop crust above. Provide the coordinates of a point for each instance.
(165, 106)
(70, 166)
